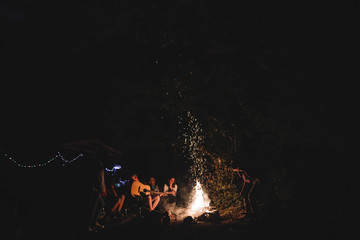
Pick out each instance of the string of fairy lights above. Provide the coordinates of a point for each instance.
(57, 156)
(43, 164)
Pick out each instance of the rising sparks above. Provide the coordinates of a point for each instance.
(193, 145)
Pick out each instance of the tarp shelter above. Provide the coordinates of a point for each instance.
(93, 148)
(78, 175)
(81, 171)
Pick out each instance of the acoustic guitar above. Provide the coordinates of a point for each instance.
(137, 188)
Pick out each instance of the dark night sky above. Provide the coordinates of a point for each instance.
(112, 70)
(69, 67)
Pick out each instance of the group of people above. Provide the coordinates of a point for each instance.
(151, 193)
(105, 195)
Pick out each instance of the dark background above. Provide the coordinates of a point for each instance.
(282, 73)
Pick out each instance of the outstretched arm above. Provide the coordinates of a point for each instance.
(241, 174)
(245, 176)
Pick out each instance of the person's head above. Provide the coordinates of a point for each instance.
(152, 180)
(172, 181)
(134, 177)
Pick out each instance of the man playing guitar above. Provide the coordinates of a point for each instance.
(142, 190)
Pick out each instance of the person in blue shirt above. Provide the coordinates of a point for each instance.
(155, 194)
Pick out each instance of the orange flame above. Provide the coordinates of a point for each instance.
(200, 200)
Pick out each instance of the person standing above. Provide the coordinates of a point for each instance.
(251, 183)
(98, 189)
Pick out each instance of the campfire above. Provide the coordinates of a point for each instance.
(200, 201)
(199, 207)
(199, 204)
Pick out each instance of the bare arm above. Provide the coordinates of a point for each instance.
(242, 174)
(113, 190)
